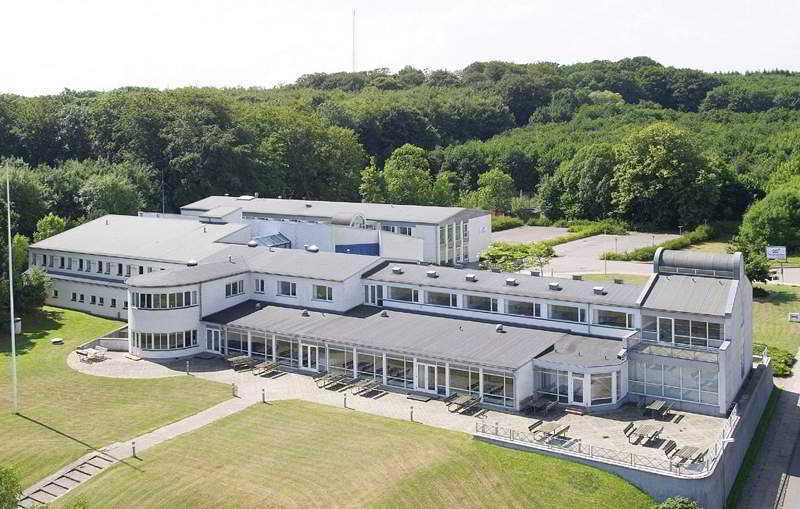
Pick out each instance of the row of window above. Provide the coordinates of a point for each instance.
(164, 300)
(453, 240)
(234, 288)
(88, 265)
(93, 299)
(556, 384)
(512, 307)
(164, 340)
(682, 332)
(400, 230)
(282, 288)
(674, 382)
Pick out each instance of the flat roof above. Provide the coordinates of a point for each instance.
(138, 237)
(240, 259)
(330, 209)
(691, 294)
(583, 351)
(495, 282)
(219, 212)
(404, 332)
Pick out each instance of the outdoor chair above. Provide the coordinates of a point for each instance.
(668, 408)
(627, 430)
(100, 353)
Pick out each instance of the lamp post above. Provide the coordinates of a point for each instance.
(14, 385)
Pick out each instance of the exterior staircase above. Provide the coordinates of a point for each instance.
(65, 479)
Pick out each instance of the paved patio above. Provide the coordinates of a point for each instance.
(604, 430)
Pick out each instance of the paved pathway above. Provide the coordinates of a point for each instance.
(771, 472)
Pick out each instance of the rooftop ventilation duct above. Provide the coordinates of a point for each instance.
(244, 197)
(599, 290)
(304, 313)
(499, 328)
(308, 205)
(621, 353)
(191, 263)
(397, 270)
(535, 273)
(511, 281)
(384, 313)
(618, 281)
(432, 273)
(554, 285)
(471, 277)
(313, 248)
(258, 305)
(577, 277)
(252, 243)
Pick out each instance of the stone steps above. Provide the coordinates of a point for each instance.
(71, 477)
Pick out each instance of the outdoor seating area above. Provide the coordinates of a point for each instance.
(459, 403)
(95, 354)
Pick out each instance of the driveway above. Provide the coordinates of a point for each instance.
(525, 234)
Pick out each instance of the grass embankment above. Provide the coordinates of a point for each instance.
(63, 412)
(772, 327)
(300, 454)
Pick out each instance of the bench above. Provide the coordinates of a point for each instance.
(575, 410)
(535, 425)
(527, 404)
(670, 447)
(627, 430)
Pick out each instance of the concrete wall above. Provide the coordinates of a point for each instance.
(709, 489)
(401, 247)
(64, 299)
(480, 232)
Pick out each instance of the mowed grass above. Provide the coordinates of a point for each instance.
(635, 279)
(300, 454)
(771, 323)
(64, 413)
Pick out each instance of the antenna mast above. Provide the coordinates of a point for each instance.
(354, 40)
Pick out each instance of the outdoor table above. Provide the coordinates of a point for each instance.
(686, 453)
(656, 406)
(549, 429)
(648, 431)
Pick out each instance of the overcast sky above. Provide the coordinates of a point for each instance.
(49, 45)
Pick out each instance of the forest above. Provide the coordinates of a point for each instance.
(655, 146)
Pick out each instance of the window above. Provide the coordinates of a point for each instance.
(108, 267)
(537, 310)
(234, 288)
(553, 383)
(81, 298)
(100, 301)
(258, 285)
(480, 303)
(567, 313)
(498, 389)
(69, 263)
(74, 297)
(127, 271)
(403, 230)
(141, 269)
(387, 228)
(165, 341)
(674, 382)
(683, 332)
(113, 303)
(518, 307)
(80, 263)
(441, 299)
(93, 299)
(55, 294)
(99, 267)
(403, 294)
(400, 371)
(88, 265)
(119, 269)
(125, 304)
(322, 292)
(287, 289)
(61, 263)
(601, 388)
(613, 318)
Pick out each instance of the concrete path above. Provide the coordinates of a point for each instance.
(772, 483)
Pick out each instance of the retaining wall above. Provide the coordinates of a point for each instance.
(709, 489)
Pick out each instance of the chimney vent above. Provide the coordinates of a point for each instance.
(599, 290)
(384, 313)
(471, 277)
(577, 277)
(618, 281)
(313, 248)
(511, 281)
(308, 205)
(554, 285)
(252, 243)
(397, 269)
(191, 263)
(499, 328)
(304, 313)
(432, 273)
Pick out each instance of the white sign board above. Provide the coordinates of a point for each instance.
(776, 252)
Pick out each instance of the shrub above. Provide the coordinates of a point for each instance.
(10, 488)
(780, 359)
(678, 503)
(500, 223)
(702, 233)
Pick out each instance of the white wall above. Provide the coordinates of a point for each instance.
(480, 232)
(401, 247)
(65, 289)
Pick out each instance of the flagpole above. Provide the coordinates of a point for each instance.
(14, 389)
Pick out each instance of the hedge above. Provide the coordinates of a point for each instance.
(700, 234)
(500, 223)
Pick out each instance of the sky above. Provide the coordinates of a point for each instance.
(49, 45)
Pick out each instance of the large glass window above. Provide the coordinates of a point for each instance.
(553, 383)
(286, 351)
(601, 388)
(673, 382)
(321, 292)
(498, 389)
(164, 300)
(577, 387)
(340, 361)
(165, 340)
(567, 313)
(400, 372)
(612, 318)
(404, 294)
(441, 299)
(234, 288)
(260, 345)
(464, 379)
(518, 307)
(481, 303)
(287, 288)
(370, 365)
(237, 341)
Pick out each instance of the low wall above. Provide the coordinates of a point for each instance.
(114, 345)
(709, 489)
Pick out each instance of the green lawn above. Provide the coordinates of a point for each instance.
(64, 412)
(300, 454)
(636, 279)
(770, 317)
(711, 246)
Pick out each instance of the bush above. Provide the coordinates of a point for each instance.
(10, 488)
(702, 233)
(678, 503)
(500, 223)
(780, 359)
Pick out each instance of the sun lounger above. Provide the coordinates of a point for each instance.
(262, 368)
(630, 428)
(365, 385)
(670, 447)
(535, 425)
